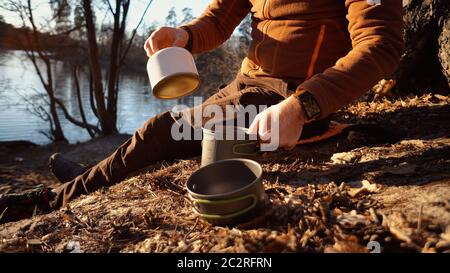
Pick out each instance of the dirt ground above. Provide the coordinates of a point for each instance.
(24, 165)
(385, 183)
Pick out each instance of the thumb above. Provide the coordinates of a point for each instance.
(147, 48)
(154, 46)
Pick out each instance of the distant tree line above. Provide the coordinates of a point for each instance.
(10, 37)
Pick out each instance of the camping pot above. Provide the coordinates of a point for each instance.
(172, 73)
(227, 191)
(225, 142)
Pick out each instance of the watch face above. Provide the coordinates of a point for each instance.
(310, 105)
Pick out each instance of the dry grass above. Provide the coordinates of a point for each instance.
(326, 197)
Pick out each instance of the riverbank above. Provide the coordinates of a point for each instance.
(24, 165)
(389, 186)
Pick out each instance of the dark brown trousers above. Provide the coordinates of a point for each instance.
(153, 141)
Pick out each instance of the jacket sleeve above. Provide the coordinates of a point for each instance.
(216, 24)
(377, 45)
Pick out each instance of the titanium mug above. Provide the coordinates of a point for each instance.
(227, 191)
(217, 144)
(172, 73)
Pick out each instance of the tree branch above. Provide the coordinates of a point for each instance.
(80, 103)
(91, 94)
(73, 120)
(130, 41)
(110, 7)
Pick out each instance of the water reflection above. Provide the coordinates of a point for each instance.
(18, 80)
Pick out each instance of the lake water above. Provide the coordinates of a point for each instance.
(19, 83)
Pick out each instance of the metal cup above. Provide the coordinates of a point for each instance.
(226, 142)
(172, 73)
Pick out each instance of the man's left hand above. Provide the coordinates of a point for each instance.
(290, 121)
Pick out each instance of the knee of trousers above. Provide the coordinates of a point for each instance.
(158, 137)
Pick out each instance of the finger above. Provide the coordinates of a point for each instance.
(253, 129)
(155, 41)
(265, 137)
(147, 47)
(154, 45)
(263, 128)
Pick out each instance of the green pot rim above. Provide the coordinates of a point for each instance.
(226, 201)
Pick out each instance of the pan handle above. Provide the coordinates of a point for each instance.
(237, 146)
(225, 216)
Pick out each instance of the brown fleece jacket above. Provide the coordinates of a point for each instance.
(335, 49)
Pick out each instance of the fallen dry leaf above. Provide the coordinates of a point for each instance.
(352, 219)
(343, 158)
(362, 187)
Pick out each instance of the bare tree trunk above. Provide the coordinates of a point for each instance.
(56, 129)
(118, 34)
(57, 132)
(80, 102)
(107, 123)
(107, 111)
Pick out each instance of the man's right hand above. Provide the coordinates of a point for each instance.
(165, 37)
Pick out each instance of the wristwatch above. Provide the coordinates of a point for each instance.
(309, 104)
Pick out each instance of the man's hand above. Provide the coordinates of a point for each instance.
(165, 37)
(290, 118)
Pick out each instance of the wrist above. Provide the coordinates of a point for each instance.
(188, 34)
(297, 109)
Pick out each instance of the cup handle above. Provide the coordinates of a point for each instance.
(237, 146)
(225, 216)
